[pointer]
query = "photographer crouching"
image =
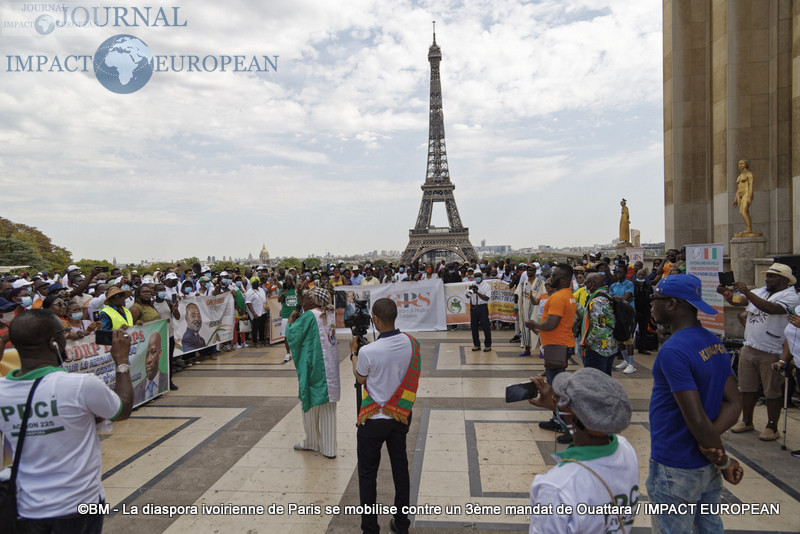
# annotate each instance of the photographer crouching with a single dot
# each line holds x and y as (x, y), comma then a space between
(389, 370)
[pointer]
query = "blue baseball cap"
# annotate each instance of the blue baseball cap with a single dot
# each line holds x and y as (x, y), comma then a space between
(687, 287)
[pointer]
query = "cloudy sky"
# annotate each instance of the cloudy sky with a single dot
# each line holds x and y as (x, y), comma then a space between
(552, 113)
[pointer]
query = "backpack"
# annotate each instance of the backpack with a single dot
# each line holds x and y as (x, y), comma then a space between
(624, 318)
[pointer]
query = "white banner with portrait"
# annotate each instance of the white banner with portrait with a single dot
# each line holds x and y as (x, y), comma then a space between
(205, 321)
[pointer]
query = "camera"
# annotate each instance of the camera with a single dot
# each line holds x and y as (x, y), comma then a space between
(359, 322)
(473, 288)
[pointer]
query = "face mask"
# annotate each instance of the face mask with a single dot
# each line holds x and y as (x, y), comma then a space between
(640, 280)
(483, 265)
(26, 301)
(135, 286)
(187, 290)
(478, 279)
(125, 287)
(226, 282)
(401, 270)
(451, 271)
(238, 284)
(209, 285)
(162, 295)
(77, 316)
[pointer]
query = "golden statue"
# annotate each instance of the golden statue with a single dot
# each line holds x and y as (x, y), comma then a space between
(624, 224)
(744, 198)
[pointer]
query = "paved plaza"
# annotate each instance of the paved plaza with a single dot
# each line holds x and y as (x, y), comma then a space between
(225, 439)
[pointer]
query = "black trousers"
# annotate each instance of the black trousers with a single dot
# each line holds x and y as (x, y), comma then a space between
(642, 321)
(479, 316)
(257, 335)
(370, 439)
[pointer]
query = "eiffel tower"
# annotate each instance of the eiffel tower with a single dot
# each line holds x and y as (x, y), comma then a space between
(424, 238)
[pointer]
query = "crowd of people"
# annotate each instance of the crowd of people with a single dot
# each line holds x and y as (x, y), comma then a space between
(597, 310)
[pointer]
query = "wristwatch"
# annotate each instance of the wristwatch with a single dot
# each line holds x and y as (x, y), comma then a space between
(353, 354)
(726, 465)
(123, 368)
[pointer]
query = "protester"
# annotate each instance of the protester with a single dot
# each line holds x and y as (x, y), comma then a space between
(622, 290)
(389, 371)
(478, 296)
(694, 400)
(115, 315)
(143, 310)
(312, 341)
(597, 322)
(256, 300)
(601, 464)
(763, 345)
(60, 469)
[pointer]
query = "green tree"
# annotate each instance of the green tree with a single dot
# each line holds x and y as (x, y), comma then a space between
(17, 252)
(380, 263)
(288, 263)
(87, 265)
(55, 258)
(312, 263)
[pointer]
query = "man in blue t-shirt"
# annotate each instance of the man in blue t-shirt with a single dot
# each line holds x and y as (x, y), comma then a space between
(695, 399)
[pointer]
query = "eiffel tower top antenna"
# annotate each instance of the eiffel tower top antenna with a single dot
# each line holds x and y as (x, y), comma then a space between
(434, 32)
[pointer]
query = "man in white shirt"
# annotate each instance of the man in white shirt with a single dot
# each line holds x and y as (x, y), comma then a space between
(255, 298)
(478, 295)
(60, 465)
(764, 337)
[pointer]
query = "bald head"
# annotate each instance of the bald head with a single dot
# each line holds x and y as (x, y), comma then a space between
(33, 329)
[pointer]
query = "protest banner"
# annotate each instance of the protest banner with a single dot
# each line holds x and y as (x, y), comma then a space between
(205, 321)
(705, 262)
(634, 255)
(420, 305)
(274, 320)
(149, 360)
(456, 304)
(501, 302)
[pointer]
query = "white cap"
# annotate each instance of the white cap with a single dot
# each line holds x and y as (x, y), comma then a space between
(171, 276)
(73, 268)
(21, 283)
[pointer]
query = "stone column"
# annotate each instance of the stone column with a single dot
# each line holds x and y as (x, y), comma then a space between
(744, 250)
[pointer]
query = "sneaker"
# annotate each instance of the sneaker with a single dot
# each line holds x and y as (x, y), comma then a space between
(769, 435)
(287, 358)
(564, 439)
(740, 427)
(237, 346)
(796, 453)
(630, 369)
(550, 425)
(645, 352)
(245, 345)
(487, 349)
(475, 349)
(526, 352)
(514, 339)
(621, 366)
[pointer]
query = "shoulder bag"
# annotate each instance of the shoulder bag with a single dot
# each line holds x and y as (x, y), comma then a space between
(8, 488)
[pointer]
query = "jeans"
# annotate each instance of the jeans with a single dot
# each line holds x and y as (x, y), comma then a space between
(672, 485)
(370, 439)
(551, 374)
(598, 361)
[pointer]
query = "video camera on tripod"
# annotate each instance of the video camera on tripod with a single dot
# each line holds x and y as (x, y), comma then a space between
(359, 322)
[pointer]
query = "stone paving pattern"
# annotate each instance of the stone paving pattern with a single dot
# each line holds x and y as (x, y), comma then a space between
(226, 438)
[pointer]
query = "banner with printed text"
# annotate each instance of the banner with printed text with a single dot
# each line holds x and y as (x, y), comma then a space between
(420, 305)
(205, 321)
(634, 255)
(274, 320)
(705, 262)
(501, 302)
(149, 360)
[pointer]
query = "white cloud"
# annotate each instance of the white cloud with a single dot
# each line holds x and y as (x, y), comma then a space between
(535, 95)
